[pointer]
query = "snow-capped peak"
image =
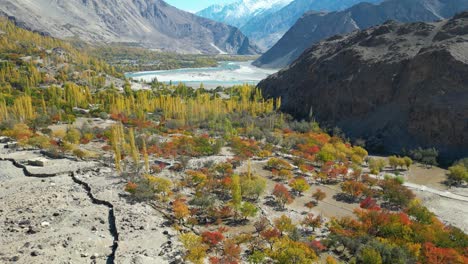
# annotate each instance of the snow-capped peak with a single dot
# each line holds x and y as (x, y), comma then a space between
(240, 11)
(255, 5)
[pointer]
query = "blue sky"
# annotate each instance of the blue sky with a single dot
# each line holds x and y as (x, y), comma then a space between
(195, 5)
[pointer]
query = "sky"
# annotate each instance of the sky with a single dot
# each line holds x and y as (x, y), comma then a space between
(195, 5)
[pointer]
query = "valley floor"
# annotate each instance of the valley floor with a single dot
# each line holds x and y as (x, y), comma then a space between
(52, 219)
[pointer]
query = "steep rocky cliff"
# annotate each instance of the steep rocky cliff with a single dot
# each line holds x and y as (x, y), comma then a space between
(313, 26)
(399, 86)
(150, 23)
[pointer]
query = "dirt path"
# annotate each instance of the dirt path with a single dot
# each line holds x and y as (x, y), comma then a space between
(445, 194)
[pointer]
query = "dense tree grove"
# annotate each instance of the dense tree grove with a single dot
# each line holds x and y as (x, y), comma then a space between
(239, 180)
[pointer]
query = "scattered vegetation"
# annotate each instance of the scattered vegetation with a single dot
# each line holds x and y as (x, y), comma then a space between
(190, 153)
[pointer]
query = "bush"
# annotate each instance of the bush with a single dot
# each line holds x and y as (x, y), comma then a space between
(39, 142)
(83, 154)
(458, 174)
(150, 187)
(73, 136)
(278, 164)
(369, 255)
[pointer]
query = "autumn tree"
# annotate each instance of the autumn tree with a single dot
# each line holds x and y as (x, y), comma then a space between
(376, 165)
(330, 260)
(282, 195)
(236, 192)
(284, 224)
(278, 164)
(73, 136)
(212, 238)
(319, 195)
(196, 249)
(353, 189)
(248, 210)
(287, 251)
(437, 255)
(261, 224)
(369, 204)
(408, 162)
(312, 222)
(231, 252)
(253, 187)
(160, 187)
(299, 185)
(420, 213)
(457, 174)
(396, 194)
(180, 209)
(133, 147)
(145, 157)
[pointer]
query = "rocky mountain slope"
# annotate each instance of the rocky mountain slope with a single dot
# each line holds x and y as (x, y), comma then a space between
(266, 29)
(399, 86)
(240, 12)
(316, 26)
(150, 23)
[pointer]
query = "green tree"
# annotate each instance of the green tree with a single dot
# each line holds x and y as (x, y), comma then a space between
(248, 210)
(426, 156)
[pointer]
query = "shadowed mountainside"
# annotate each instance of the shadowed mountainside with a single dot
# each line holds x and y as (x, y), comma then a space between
(399, 86)
(316, 26)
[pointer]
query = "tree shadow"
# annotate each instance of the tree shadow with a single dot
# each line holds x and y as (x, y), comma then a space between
(345, 198)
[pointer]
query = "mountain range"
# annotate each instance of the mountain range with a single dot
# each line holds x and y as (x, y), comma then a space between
(396, 86)
(240, 12)
(149, 23)
(265, 22)
(314, 26)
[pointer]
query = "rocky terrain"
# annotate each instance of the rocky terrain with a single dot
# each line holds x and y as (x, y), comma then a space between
(395, 81)
(316, 26)
(68, 211)
(149, 23)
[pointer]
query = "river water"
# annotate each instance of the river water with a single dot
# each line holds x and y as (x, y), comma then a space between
(225, 75)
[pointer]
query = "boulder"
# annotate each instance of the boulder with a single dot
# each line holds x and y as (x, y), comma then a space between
(38, 162)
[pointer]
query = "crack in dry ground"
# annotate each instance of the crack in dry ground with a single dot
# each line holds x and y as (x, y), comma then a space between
(111, 217)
